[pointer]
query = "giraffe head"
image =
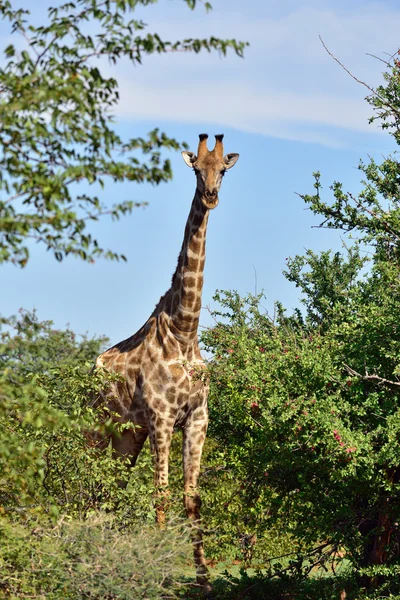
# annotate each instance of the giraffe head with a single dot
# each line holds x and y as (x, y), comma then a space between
(210, 167)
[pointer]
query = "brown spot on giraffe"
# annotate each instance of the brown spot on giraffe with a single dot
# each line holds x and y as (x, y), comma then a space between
(159, 362)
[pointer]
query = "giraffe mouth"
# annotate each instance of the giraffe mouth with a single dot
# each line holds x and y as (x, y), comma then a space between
(210, 202)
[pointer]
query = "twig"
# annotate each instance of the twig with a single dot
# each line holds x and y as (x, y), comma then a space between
(40, 56)
(373, 378)
(256, 422)
(373, 92)
(255, 280)
(243, 594)
(387, 63)
(373, 215)
(347, 70)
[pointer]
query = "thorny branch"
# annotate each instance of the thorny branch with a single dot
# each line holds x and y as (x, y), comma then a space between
(369, 88)
(372, 378)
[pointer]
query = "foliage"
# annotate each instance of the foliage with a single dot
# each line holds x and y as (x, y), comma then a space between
(305, 407)
(90, 559)
(30, 350)
(374, 213)
(57, 129)
(31, 347)
(310, 445)
(54, 481)
(259, 586)
(46, 465)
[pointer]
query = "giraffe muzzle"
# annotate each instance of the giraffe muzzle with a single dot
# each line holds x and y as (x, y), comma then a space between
(210, 198)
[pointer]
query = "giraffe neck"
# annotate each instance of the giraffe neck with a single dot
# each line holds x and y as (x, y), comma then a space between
(183, 300)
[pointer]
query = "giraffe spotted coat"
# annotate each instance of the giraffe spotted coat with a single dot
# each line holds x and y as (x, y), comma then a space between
(162, 386)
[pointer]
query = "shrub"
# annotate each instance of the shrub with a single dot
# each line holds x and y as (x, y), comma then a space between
(90, 559)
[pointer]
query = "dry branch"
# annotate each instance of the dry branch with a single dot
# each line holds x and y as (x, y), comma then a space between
(373, 92)
(372, 378)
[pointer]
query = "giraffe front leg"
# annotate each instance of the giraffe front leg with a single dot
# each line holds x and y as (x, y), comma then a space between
(194, 434)
(129, 443)
(160, 442)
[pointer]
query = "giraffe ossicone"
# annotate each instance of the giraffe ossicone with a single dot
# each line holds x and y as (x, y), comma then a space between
(160, 389)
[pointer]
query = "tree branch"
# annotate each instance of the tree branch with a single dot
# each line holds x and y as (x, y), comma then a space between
(373, 92)
(372, 378)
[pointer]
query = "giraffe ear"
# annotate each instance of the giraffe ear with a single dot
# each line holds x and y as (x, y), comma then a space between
(230, 160)
(189, 158)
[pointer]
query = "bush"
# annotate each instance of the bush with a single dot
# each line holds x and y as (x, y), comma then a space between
(55, 482)
(90, 559)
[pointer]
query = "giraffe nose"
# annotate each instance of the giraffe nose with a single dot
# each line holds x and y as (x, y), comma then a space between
(211, 193)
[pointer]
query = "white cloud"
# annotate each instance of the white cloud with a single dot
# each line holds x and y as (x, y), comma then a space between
(281, 114)
(287, 86)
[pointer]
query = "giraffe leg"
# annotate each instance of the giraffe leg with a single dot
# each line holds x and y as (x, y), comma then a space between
(160, 441)
(129, 444)
(194, 434)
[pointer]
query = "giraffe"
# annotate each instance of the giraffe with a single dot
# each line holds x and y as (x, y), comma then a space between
(161, 388)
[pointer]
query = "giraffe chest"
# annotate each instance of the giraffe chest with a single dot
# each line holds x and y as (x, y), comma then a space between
(175, 389)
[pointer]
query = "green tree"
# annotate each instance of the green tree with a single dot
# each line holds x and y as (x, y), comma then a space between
(30, 347)
(47, 459)
(57, 129)
(39, 365)
(55, 486)
(306, 406)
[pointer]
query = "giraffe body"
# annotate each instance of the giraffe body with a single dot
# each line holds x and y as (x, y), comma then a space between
(161, 364)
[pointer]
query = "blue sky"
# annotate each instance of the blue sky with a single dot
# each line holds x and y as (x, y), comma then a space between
(287, 108)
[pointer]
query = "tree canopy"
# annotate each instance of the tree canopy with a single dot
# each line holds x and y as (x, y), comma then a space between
(57, 128)
(306, 405)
